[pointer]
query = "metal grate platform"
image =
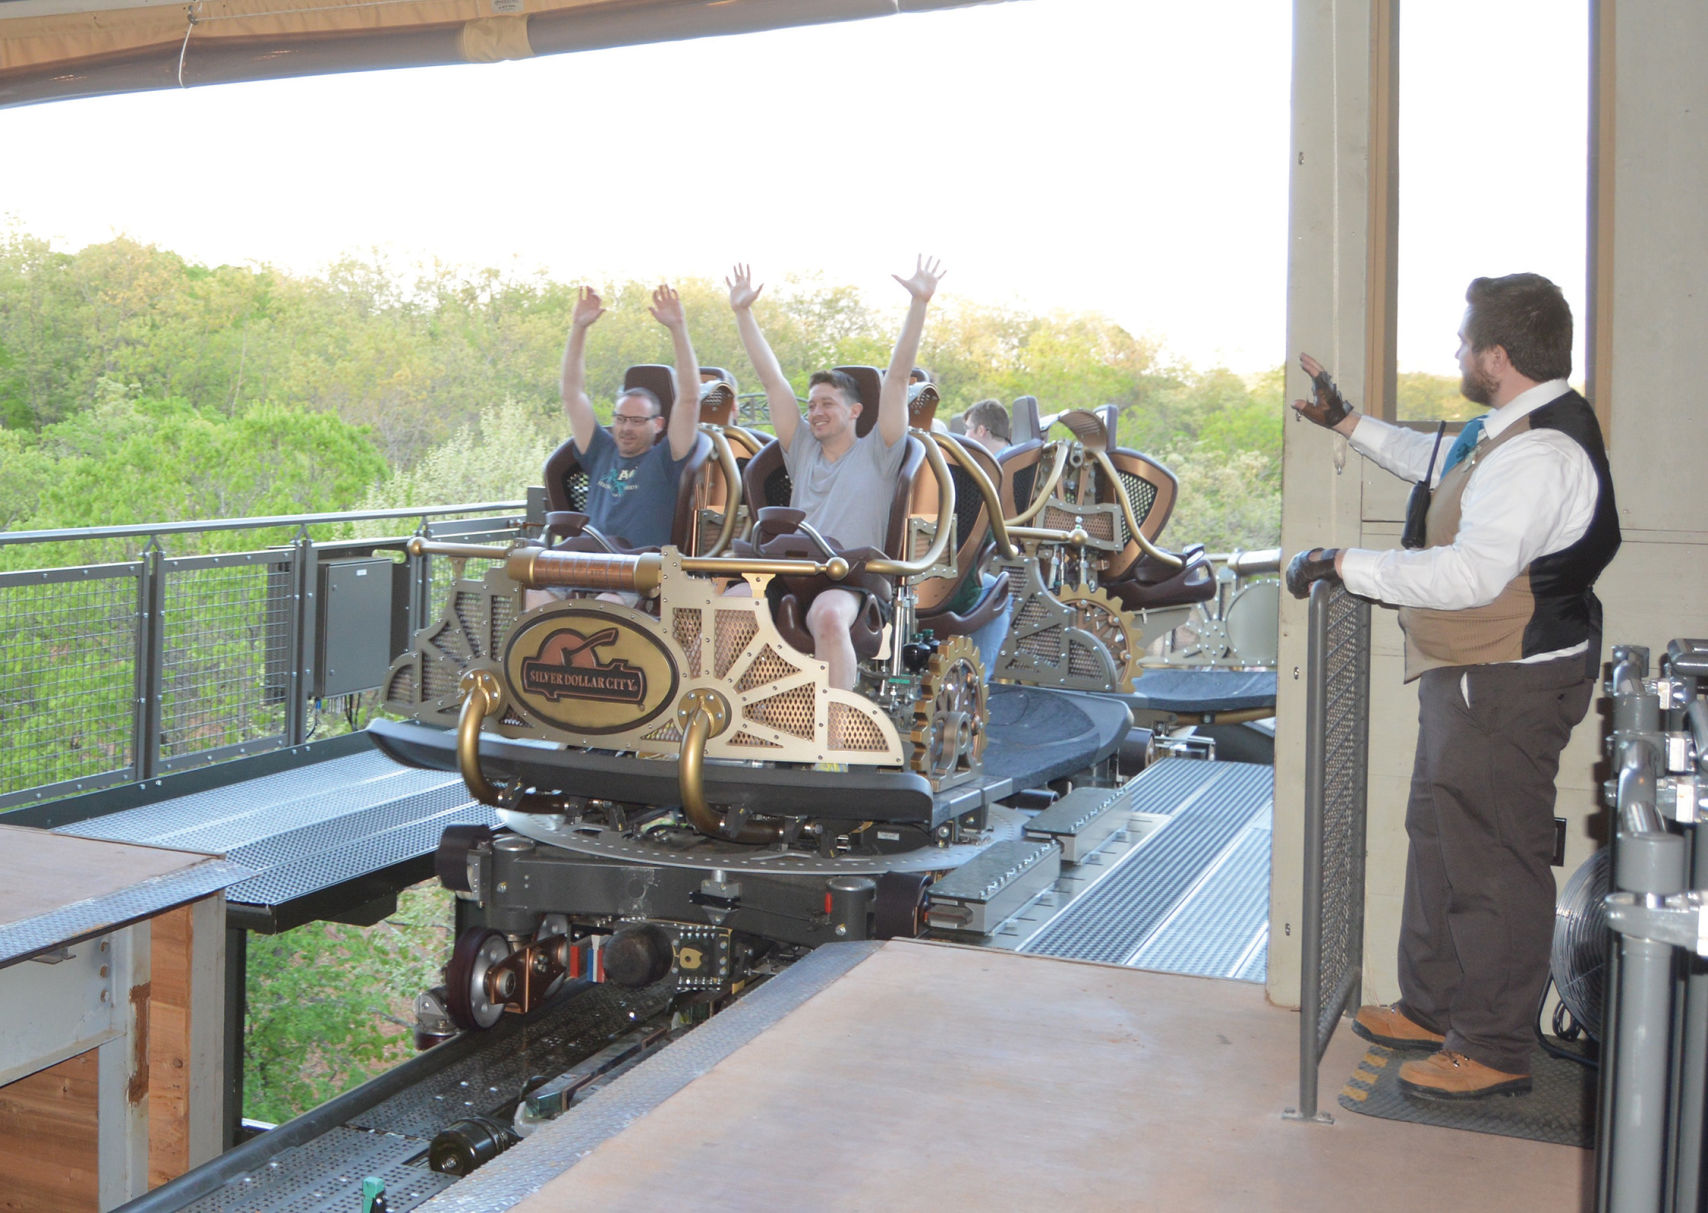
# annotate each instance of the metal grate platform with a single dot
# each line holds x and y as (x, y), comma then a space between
(1192, 891)
(303, 831)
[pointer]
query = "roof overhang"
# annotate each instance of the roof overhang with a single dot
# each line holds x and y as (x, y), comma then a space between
(62, 49)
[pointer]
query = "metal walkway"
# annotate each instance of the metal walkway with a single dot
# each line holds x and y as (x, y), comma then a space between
(1184, 889)
(307, 833)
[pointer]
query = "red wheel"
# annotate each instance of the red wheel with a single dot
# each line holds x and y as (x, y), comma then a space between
(466, 998)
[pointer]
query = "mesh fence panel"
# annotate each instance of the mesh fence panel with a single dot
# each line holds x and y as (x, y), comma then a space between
(1336, 757)
(216, 651)
(67, 678)
(1344, 754)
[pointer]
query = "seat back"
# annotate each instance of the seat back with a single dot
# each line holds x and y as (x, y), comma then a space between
(922, 400)
(1024, 425)
(1150, 488)
(870, 381)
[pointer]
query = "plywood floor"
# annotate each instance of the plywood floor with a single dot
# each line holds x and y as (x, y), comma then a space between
(42, 872)
(945, 1078)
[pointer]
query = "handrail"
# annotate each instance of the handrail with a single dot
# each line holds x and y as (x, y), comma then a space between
(239, 524)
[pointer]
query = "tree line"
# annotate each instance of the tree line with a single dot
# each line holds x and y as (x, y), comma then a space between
(136, 385)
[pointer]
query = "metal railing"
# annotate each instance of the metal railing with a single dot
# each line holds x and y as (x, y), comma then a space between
(1337, 743)
(1654, 1070)
(117, 670)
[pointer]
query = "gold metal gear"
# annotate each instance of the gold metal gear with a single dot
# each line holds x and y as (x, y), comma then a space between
(1096, 612)
(949, 717)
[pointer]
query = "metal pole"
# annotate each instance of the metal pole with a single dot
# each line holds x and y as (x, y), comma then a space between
(1311, 924)
(1650, 865)
(1693, 1063)
(150, 656)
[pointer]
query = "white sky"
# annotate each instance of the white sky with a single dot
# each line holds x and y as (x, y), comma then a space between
(1122, 156)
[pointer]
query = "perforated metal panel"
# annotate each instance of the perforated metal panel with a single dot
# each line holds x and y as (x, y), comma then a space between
(306, 829)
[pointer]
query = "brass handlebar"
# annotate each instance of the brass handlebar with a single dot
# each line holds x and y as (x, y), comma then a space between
(703, 714)
(481, 698)
(992, 500)
(732, 482)
(945, 519)
(1042, 495)
(1145, 545)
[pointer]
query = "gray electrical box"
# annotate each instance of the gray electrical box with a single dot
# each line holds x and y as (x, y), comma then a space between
(353, 625)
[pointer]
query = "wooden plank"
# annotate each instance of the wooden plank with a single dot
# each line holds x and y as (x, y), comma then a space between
(42, 872)
(169, 1047)
(48, 1123)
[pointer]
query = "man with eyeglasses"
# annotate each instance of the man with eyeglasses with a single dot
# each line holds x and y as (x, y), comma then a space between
(842, 481)
(631, 476)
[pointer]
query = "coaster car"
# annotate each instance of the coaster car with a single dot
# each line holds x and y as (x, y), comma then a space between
(1105, 591)
(684, 793)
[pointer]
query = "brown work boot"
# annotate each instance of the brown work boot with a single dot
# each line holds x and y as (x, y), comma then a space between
(1389, 1027)
(1450, 1075)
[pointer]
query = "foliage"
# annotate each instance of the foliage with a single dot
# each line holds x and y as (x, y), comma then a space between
(329, 1006)
(1423, 397)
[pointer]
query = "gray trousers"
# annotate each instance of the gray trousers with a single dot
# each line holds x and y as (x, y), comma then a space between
(1478, 919)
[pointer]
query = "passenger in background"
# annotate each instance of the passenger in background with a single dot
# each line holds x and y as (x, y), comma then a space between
(918, 374)
(631, 476)
(987, 425)
(843, 482)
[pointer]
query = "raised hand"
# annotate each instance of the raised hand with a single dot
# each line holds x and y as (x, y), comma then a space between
(927, 273)
(742, 292)
(1328, 408)
(667, 307)
(588, 308)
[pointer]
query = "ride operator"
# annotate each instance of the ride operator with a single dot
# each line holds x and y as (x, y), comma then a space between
(1503, 635)
(843, 482)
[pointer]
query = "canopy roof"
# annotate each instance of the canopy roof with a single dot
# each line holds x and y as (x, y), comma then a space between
(59, 49)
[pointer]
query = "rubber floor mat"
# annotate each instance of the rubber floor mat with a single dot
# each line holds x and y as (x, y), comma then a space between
(1560, 1107)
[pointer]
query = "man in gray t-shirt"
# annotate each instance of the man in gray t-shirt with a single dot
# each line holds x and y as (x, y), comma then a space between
(842, 481)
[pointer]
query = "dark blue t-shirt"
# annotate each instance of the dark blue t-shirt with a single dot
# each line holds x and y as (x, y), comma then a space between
(633, 498)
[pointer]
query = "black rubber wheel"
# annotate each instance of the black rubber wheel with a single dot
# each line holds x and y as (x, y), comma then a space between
(451, 860)
(898, 910)
(466, 999)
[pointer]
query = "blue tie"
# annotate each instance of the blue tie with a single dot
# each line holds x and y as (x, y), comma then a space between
(1464, 444)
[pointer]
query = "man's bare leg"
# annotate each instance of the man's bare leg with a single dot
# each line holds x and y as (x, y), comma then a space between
(830, 619)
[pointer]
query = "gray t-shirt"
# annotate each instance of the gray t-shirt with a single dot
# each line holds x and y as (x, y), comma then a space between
(850, 497)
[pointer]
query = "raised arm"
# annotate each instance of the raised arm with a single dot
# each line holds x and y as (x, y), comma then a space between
(685, 413)
(892, 400)
(582, 422)
(779, 396)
